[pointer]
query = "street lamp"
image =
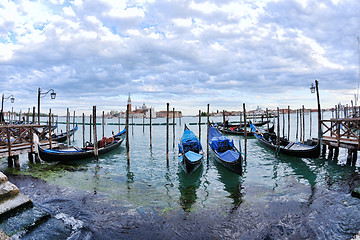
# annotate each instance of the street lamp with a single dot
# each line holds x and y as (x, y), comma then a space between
(313, 88)
(3, 99)
(41, 95)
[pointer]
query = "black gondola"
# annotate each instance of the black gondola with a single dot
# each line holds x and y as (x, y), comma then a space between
(295, 149)
(75, 153)
(237, 130)
(224, 150)
(241, 125)
(63, 136)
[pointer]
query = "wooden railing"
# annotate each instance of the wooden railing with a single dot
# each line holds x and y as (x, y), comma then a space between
(20, 137)
(342, 131)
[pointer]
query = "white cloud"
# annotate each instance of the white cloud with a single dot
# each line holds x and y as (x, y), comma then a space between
(175, 49)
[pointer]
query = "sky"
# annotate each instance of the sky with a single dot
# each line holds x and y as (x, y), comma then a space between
(189, 54)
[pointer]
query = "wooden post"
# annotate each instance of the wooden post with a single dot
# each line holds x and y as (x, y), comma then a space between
(173, 128)
(96, 153)
(132, 125)
(90, 127)
(354, 157)
(283, 127)
(301, 131)
(167, 132)
(67, 128)
(127, 134)
(33, 116)
(297, 124)
(103, 124)
(28, 116)
(303, 110)
(143, 123)
(208, 126)
(245, 132)
(50, 141)
(199, 125)
(310, 113)
(267, 119)
(150, 128)
(73, 126)
(278, 131)
(336, 153)
(10, 161)
(289, 123)
(83, 125)
(223, 121)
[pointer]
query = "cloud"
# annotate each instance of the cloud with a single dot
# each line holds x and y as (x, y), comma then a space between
(189, 53)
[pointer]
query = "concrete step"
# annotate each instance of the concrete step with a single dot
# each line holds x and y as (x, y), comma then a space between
(3, 178)
(7, 190)
(13, 203)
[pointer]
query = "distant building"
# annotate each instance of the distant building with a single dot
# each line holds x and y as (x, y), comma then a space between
(162, 114)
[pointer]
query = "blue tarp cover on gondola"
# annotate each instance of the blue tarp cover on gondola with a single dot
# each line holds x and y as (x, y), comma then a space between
(189, 142)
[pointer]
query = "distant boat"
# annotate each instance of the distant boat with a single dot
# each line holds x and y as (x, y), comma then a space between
(190, 151)
(285, 146)
(238, 130)
(225, 151)
(62, 137)
(76, 153)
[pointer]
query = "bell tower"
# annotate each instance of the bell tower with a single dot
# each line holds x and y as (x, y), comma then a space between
(129, 103)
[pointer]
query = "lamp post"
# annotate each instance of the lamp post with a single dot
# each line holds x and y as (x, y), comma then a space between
(3, 99)
(41, 95)
(313, 90)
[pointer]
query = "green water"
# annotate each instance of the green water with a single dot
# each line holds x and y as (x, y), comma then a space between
(152, 181)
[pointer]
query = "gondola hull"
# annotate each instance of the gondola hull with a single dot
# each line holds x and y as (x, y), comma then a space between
(190, 165)
(190, 152)
(69, 156)
(235, 166)
(293, 149)
(229, 158)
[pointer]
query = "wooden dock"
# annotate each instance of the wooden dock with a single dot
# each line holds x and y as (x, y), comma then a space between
(17, 139)
(341, 133)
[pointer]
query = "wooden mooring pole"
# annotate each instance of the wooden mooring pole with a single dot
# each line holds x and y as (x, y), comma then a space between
(74, 119)
(127, 134)
(103, 124)
(67, 128)
(90, 127)
(245, 132)
(96, 153)
(167, 132)
(150, 128)
(223, 122)
(207, 135)
(50, 129)
(288, 136)
(173, 116)
(83, 128)
(199, 125)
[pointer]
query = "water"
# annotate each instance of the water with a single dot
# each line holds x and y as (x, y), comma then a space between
(276, 198)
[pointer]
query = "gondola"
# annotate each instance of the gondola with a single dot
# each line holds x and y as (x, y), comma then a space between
(190, 151)
(63, 136)
(76, 153)
(241, 125)
(295, 149)
(225, 151)
(237, 130)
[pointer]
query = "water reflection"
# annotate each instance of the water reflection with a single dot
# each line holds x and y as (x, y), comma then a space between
(188, 184)
(232, 184)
